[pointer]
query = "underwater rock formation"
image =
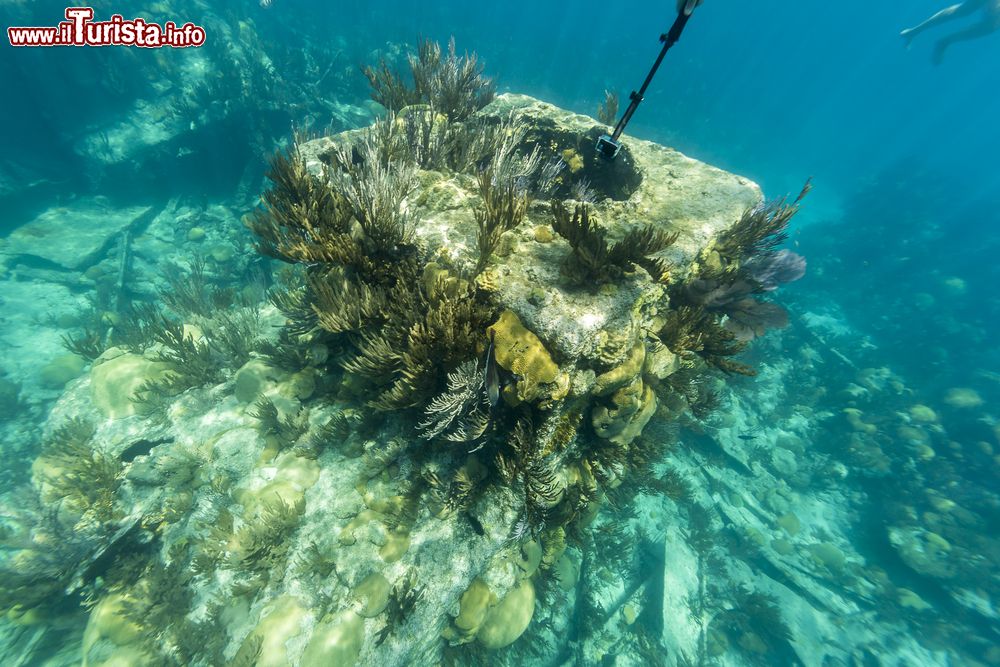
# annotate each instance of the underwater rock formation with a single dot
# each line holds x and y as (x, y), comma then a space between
(410, 464)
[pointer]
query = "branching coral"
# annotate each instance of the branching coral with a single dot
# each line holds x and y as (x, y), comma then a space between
(503, 185)
(417, 135)
(607, 111)
(691, 329)
(335, 431)
(759, 230)
(523, 465)
(235, 334)
(87, 479)
(453, 85)
(749, 318)
(402, 601)
(343, 305)
(287, 352)
(368, 284)
(262, 543)
(741, 264)
(192, 362)
(406, 351)
(592, 261)
(303, 219)
(425, 138)
(90, 343)
(190, 293)
(293, 300)
(456, 494)
(731, 296)
(755, 624)
(101, 327)
(134, 329)
(462, 412)
(38, 578)
(285, 429)
(375, 190)
(772, 270)
(641, 479)
(504, 203)
(160, 601)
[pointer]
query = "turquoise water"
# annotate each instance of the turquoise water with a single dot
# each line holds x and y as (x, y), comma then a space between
(864, 454)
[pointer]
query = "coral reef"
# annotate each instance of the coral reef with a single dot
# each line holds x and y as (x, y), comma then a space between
(427, 372)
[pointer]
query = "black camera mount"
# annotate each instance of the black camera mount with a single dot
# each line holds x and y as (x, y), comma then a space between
(609, 145)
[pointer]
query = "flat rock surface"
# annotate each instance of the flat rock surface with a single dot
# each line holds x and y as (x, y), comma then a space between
(74, 237)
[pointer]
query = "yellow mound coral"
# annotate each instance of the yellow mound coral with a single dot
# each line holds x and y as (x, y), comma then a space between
(963, 397)
(61, 370)
(626, 372)
(293, 476)
(108, 623)
(396, 544)
(532, 558)
(347, 536)
(910, 600)
(857, 423)
(573, 160)
(473, 606)
(521, 352)
(283, 620)
(508, 620)
(253, 379)
(922, 413)
(494, 624)
(632, 408)
(337, 640)
(567, 573)
(372, 594)
(115, 380)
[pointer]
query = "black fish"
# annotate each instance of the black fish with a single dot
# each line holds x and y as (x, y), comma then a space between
(477, 526)
(747, 436)
(491, 377)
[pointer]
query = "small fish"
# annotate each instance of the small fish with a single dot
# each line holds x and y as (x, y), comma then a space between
(477, 526)
(747, 436)
(491, 377)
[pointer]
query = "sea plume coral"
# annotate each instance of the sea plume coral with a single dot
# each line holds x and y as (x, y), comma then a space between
(742, 264)
(593, 261)
(760, 230)
(451, 84)
(375, 189)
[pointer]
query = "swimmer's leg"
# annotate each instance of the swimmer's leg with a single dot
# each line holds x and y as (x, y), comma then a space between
(947, 14)
(977, 31)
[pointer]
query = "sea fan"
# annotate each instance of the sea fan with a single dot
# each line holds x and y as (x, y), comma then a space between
(749, 318)
(775, 269)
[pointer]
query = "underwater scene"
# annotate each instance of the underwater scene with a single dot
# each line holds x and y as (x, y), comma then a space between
(518, 334)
